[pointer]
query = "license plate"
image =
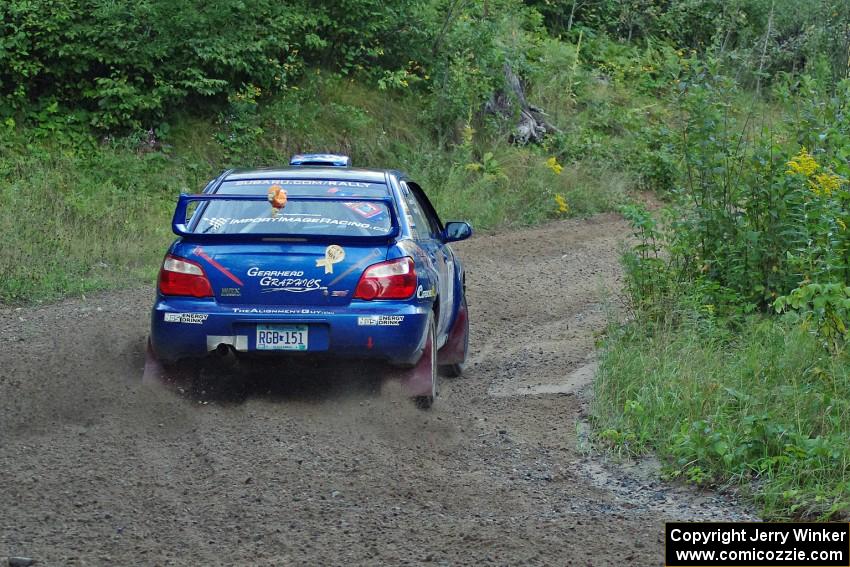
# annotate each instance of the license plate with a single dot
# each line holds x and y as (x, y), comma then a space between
(281, 337)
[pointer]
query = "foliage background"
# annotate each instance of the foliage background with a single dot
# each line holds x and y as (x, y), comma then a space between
(734, 112)
(121, 65)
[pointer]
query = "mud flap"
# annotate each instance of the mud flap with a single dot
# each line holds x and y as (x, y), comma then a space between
(454, 351)
(416, 381)
(419, 380)
(154, 371)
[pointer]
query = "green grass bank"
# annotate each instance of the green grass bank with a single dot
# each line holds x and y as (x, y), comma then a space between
(764, 411)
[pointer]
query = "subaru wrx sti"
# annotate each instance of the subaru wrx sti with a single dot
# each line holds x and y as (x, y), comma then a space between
(318, 258)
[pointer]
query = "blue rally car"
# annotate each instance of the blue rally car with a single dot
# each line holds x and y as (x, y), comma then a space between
(317, 258)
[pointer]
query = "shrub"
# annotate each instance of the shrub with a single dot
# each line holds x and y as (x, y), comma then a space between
(754, 215)
(122, 65)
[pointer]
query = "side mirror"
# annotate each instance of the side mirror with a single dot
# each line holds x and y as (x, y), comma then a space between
(456, 230)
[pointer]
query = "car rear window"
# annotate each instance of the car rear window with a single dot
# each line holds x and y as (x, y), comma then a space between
(344, 215)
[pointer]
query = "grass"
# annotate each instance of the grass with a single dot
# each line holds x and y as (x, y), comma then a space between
(765, 410)
(79, 216)
(78, 221)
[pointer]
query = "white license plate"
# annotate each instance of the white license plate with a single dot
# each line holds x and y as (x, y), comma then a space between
(281, 337)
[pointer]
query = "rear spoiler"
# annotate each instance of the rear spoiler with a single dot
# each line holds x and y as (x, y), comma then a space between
(182, 227)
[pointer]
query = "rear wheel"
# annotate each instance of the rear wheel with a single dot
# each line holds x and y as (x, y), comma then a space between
(452, 370)
(427, 366)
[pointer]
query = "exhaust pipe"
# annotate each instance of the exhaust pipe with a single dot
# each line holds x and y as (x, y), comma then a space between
(223, 356)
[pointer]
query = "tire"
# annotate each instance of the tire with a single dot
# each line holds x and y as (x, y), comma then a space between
(452, 370)
(429, 362)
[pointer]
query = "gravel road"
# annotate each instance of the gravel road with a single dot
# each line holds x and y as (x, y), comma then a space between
(330, 466)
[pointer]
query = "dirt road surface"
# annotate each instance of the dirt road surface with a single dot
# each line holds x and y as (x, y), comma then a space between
(329, 466)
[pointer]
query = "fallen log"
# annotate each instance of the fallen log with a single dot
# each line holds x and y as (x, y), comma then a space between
(510, 101)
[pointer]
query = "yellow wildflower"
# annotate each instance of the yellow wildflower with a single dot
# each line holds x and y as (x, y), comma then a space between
(561, 206)
(824, 184)
(552, 163)
(841, 223)
(803, 163)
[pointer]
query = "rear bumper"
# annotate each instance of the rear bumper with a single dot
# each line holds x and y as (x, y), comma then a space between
(391, 331)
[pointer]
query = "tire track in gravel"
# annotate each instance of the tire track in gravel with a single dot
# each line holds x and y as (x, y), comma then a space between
(305, 465)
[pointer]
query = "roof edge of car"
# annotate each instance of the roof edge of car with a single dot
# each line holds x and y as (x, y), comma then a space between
(310, 172)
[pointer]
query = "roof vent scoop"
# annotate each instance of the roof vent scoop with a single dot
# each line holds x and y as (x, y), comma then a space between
(332, 160)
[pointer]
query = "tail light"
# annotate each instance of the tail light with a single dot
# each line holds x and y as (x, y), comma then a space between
(395, 279)
(179, 276)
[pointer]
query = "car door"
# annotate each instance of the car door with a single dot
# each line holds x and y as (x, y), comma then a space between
(431, 235)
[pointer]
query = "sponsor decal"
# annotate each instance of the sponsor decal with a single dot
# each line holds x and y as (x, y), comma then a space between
(380, 321)
(365, 209)
(368, 259)
(292, 281)
(199, 252)
(231, 292)
(310, 182)
(425, 294)
(339, 293)
(187, 318)
(279, 311)
(258, 273)
(334, 254)
(216, 222)
(219, 223)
